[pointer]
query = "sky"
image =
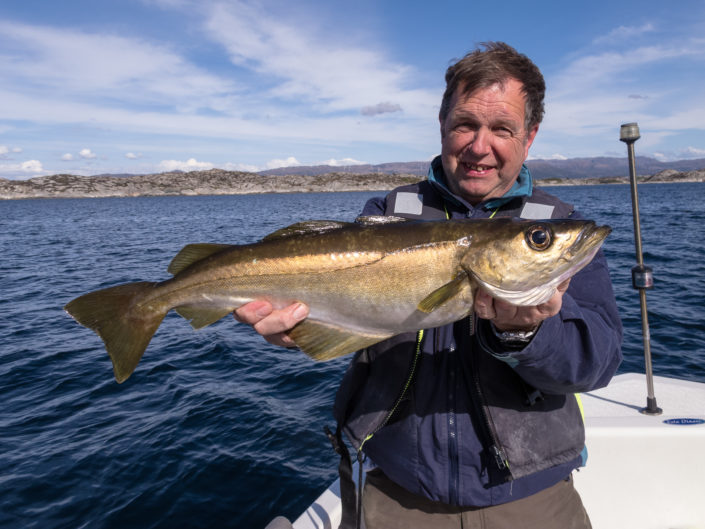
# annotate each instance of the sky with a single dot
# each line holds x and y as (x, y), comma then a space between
(142, 86)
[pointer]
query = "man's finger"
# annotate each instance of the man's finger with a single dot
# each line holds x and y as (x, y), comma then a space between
(283, 320)
(251, 313)
(484, 305)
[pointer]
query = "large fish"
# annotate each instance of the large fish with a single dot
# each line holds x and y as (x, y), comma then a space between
(363, 282)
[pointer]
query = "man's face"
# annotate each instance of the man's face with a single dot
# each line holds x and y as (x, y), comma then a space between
(484, 141)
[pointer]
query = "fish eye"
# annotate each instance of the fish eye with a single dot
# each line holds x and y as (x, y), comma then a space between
(539, 237)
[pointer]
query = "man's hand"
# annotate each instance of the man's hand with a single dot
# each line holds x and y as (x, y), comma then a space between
(270, 323)
(507, 317)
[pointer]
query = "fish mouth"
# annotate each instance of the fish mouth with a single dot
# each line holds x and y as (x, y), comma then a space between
(583, 250)
(591, 236)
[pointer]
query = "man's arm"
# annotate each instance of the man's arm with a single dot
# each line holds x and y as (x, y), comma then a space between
(576, 349)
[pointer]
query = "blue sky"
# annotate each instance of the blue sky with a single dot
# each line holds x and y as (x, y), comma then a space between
(141, 86)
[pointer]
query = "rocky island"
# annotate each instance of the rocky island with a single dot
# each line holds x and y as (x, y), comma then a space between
(221, 182)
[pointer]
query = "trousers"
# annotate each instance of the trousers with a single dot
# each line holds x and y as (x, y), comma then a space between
(386, 505)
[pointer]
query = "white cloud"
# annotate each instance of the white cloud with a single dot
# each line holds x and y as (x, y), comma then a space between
(590, 97)
(189, 165)
(5, 150)
(304, 65)
(241, 167)
(32, 166)
(693, 152)
(343, 162)
(102, 65)
(132, 155)
(603, 70)
(87, 154)
(276, 164)
(20, 171)
(283, 84)
(624, 33)
(67, 157)
(555, 156)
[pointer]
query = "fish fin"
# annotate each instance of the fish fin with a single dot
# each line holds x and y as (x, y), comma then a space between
(442, 294)
(199, 316)
(324, 341)
(306, 228)
(125, 328)
(192, 253)
(374, 220)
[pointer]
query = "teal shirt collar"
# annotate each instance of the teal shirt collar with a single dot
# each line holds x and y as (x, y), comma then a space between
(523, 187)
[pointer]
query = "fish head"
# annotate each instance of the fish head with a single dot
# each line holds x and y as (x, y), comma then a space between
(523, 261)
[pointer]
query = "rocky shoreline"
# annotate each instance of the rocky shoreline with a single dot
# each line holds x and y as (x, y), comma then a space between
(221, 182)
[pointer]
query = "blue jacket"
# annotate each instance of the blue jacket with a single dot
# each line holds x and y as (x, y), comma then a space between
(454, 417)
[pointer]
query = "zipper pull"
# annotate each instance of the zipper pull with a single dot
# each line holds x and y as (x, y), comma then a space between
(500, 458)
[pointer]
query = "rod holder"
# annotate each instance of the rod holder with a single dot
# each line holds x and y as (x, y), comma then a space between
(642, 276)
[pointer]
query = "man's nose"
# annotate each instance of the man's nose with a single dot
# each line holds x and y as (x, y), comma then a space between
(481, 143)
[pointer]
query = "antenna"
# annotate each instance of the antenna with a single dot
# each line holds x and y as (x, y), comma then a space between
(642, 276)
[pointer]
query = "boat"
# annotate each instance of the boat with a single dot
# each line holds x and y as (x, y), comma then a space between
(645, 463)
(643, 471)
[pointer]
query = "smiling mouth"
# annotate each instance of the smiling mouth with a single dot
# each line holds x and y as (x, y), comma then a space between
(477, 168)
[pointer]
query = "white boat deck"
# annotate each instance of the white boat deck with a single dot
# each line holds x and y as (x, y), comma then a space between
(642, 472)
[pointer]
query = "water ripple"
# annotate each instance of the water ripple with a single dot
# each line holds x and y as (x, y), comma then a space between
(216, 427)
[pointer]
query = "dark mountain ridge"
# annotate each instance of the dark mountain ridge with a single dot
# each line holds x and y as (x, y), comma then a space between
(596, 167)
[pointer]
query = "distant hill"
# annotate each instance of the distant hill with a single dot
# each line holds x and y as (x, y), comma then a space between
(571, 168)
(580, 171)
(410, 168)
(603, 167)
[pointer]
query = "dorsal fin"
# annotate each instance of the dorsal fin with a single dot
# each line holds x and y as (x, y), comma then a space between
(192, 253)
(373, 220)
(305, 228)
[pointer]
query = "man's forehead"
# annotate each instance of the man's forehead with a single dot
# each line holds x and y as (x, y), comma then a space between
(505, 108)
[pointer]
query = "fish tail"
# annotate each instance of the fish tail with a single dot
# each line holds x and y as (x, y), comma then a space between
(125, 326)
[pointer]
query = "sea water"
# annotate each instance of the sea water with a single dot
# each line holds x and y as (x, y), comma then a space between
(216, 427)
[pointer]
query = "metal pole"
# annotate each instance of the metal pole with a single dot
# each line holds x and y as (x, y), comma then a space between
(642, 277)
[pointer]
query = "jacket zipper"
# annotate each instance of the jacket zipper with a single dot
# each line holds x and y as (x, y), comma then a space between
(453, 475)
(407, 385)
(495, 447)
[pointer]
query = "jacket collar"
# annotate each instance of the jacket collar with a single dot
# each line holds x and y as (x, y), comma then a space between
(523, 187)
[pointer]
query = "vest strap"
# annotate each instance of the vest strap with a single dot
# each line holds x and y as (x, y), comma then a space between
(350, 517)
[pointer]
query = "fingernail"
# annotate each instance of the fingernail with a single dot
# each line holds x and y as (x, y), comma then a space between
(300, 312)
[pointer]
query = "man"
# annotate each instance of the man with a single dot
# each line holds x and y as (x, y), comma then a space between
(475, 424)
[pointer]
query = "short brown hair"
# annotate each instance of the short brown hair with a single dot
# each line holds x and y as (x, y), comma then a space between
(496, 62)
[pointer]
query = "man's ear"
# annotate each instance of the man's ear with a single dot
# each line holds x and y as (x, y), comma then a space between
(530, 139)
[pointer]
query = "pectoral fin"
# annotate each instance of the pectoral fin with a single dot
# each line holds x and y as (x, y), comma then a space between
(324, 341)
(439, 296)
